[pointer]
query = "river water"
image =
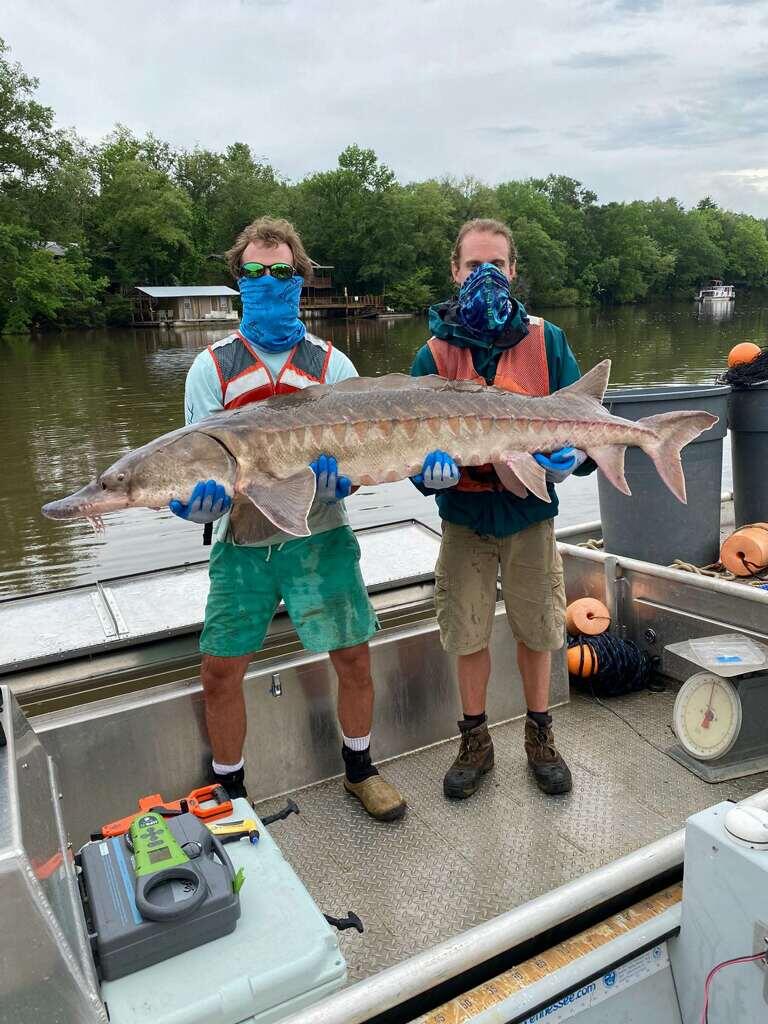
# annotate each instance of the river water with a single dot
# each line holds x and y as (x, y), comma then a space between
(71, 403)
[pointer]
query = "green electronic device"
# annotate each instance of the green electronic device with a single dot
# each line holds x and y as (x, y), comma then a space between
(162, 888)
(158, 860)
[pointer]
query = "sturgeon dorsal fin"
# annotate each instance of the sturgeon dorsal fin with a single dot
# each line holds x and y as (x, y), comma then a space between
(593, 384)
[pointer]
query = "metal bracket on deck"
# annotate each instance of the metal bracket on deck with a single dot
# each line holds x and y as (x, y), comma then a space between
(109, 613)
(616, 589)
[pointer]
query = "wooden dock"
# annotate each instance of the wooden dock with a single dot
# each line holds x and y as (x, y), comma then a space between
(344, 305)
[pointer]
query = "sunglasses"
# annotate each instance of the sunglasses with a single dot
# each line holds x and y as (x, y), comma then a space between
(280, 271)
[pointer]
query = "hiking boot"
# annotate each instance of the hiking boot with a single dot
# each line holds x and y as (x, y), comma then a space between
(475, 760)
(379, 798)
(233, 783)
(552, 774)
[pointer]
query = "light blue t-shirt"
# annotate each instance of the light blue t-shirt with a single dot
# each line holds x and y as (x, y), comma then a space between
(202, 397)
(202, 392)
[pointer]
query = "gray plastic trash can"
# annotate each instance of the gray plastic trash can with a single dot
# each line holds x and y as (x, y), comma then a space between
(748, 423)
(652, 524)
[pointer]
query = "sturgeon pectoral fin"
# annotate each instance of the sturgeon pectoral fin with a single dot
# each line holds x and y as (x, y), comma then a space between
(286, 503)
(510, 479)
(528, 472)
(610, 459)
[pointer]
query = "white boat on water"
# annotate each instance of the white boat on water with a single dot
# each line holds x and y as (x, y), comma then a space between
(508, 908)
(716, 291)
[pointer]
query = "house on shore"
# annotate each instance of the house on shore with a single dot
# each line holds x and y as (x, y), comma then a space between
(183, 304)
(319, 297)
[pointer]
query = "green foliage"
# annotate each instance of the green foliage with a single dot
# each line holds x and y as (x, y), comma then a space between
(27, 138)
(133, 210)
(141, 226)
(411, 295)
(41, 290)
(351, 218)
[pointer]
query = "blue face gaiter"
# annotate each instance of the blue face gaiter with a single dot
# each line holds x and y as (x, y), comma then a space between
(271, 312)
(484, 300)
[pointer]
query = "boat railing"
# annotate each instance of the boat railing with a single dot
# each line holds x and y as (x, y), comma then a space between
(439, 964)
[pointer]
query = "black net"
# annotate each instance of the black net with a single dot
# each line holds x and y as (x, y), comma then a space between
(748, 375)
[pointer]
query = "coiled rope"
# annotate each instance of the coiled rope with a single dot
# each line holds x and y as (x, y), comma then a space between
(621, 666)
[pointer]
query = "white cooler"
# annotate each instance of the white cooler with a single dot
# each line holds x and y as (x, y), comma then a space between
(282, 956)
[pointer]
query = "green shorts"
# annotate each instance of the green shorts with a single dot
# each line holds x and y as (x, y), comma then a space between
(317, 577)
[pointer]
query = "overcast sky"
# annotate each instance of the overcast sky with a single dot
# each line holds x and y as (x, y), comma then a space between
(635, 98)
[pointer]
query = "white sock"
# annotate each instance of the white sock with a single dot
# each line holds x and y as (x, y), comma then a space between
(357, 742)
(227, 769)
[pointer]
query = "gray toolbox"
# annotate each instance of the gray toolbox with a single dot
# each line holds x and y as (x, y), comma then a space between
(282, 956)
(157, 891)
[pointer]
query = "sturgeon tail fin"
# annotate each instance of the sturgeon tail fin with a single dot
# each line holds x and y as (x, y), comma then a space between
(674, 431)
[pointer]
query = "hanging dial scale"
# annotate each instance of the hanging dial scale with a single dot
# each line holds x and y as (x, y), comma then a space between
(707, 716)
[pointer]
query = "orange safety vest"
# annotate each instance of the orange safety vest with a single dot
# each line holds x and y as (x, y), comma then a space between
(244, 378)
(522, 369)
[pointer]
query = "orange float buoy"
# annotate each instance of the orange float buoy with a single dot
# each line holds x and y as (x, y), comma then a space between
(582, 660)
(588, 616)
(745, 552)
(744, 352)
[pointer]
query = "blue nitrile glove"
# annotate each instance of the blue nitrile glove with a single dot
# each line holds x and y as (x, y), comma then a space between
(207, 502)
(330, 486)
(560, 463)
(439, 471)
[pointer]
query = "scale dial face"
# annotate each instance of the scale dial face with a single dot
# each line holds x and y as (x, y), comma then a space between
(707, 716)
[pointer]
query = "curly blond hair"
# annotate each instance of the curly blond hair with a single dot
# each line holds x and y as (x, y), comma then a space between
(272, 231)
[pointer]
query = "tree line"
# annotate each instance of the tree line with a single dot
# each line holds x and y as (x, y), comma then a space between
(130, 211)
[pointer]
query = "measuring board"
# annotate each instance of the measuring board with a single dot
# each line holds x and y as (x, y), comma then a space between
(489, 995)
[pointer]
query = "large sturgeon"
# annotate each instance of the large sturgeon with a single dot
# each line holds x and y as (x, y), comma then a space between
(379, 429)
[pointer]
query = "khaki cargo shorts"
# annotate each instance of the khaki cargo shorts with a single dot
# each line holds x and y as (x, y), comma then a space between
(531, 581)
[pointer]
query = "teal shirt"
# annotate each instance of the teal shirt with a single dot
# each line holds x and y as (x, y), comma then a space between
(498, 513)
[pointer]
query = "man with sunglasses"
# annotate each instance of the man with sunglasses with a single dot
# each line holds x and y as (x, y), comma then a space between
(318, 577)
(486, 336)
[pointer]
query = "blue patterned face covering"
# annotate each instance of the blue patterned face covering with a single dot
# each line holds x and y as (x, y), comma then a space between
(271, 312)
(484, 301)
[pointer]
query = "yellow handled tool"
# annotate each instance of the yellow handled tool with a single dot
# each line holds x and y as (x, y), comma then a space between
(232, 831)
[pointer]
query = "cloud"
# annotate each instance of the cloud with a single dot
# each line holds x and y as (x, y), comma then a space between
(638, 6)
(596, 59)
(635, 98)
(755, 178)
(509, 129)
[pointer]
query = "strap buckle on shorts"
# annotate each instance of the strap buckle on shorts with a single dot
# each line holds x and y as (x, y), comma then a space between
(269, 550)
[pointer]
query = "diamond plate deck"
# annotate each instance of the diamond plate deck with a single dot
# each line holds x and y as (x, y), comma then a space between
(450, 865)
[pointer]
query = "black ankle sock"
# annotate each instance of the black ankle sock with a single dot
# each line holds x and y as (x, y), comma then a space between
(358, 764)
(472, 721)
(233, 782)
(542, 719)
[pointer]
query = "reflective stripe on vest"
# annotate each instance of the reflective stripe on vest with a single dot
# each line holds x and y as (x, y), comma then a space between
(522, 369)
(245, 378)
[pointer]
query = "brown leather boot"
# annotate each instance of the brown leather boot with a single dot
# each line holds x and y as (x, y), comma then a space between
(475, 759)
(552, 774)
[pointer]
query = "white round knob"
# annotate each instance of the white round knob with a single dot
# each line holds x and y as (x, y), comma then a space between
(748, 825)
